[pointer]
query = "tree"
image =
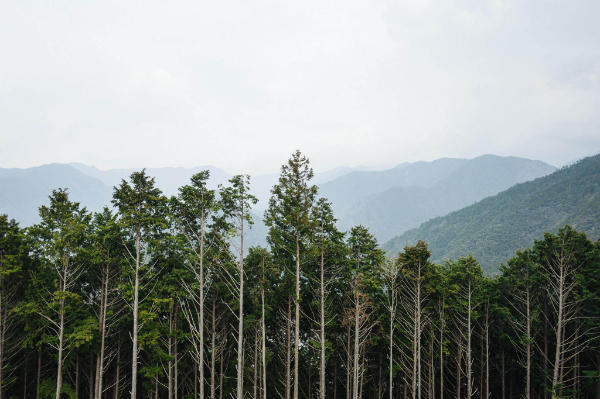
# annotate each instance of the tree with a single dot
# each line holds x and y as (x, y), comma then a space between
(13, 256)
(415, 268)
(142, 214)
(289, 222)
(193, 208)
(236, 202)
(366, 262)
(61, 235)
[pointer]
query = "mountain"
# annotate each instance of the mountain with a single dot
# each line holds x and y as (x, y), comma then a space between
(494, 228)
(393, 201)
(25, 190)
(169, 179)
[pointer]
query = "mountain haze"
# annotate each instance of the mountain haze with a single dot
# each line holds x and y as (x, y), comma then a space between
(494, 228)
(393, 201)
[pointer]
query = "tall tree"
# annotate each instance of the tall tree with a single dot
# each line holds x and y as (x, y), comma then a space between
(193, 209)
(61, 234)
(289, 222)
(236, 203)
(141, 208)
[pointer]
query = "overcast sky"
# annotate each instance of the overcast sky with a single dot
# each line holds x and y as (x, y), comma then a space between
(241, 84)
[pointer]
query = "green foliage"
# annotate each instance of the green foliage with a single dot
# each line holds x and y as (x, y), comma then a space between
(494, 228)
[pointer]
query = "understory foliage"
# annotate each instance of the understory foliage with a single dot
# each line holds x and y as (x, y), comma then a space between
(159, 298)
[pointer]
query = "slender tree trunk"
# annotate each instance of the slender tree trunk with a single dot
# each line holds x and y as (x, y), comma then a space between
(528, 346)
(322, 388)
(288, 360)
(136, 287)
(201, 304)
(391, 359)
(487, 352)
(264, 333)
(469, 355)
(255, 360)
(297, 320)
(441, 350)
(2, 335)
(61, 330)
(118, 370)
(240, 366)
(77, 375)
(559, 332)
(355, 385)
(348, 364)
(213, 355)
(102, 328)
(458, 370)
(170, 352)
(221, 376)
(176, 357)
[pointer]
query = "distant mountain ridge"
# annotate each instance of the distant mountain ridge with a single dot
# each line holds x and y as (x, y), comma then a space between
(388, 201)
(493, 228)
(393, 201)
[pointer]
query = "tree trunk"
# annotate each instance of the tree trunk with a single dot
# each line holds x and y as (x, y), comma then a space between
(134, 350)
(118, 370)
(559, 332)
(458, 370)
(61, 330)
(170, 353)
(240, 367)
(201, 304)
(356, 339)
(322, 388)
(297, 320)
(102, 328)
(288, 362)
(264, 333)
(348, 364)
(213, 355)
(468, 359)
(176, 358)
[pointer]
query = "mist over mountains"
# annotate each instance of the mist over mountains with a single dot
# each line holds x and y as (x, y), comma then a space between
(388, 202)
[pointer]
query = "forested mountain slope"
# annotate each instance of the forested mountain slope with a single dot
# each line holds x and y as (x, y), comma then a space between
(424, 190)
(492, 229)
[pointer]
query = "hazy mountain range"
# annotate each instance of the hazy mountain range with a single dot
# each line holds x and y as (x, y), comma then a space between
(389, 202)
(494, 228)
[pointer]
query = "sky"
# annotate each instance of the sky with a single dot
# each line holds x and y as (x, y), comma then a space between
(242, 84)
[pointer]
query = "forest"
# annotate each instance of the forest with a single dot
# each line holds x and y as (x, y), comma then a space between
(158, 297)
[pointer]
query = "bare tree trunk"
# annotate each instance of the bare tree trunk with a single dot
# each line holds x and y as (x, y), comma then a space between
(221, 376)
(255, 360)
(240, 366)
(468, 359)
(288, 361)
(61, 330)
(102, 328)
(175, 362)
(118, 370)
(264, 333)
(356, 339)
(77, 375)
(213, 355)
(458, 370)
(441, 350)
(322, 387)
(559, 332)
(134, 351)
(391, 359)
(487, 352)
(348, 364)
(297, 320)
(170, 352)
(201, 305)
(528, 346)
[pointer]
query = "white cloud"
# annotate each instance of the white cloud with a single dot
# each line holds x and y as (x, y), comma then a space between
(242, 84)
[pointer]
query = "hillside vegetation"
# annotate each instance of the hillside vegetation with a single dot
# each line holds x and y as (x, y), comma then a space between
(492, 229)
